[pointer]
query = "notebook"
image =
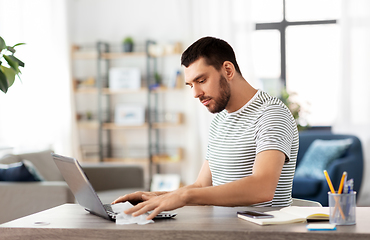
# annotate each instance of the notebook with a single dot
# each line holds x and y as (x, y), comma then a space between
(83, 191)
(293, 214)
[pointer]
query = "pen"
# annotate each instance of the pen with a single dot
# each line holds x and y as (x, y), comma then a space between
(345, 187)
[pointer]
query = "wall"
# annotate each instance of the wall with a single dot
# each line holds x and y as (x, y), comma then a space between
(354, 97)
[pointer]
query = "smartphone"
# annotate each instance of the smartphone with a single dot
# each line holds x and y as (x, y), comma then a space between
(255, 214)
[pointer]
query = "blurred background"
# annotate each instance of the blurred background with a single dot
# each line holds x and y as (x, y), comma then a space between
(317, 51)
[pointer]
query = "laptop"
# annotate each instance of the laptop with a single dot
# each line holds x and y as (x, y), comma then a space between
(83, 191)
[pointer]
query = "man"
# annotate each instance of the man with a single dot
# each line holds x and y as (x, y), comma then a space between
(253, 140)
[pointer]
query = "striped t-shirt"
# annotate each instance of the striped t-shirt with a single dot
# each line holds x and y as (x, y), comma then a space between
(264, 123)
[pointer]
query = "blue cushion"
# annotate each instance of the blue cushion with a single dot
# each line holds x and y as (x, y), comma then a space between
(319, 155)
(19, 172)
(303, 187)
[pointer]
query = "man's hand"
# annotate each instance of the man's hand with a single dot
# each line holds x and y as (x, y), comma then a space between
(137, 197)
(157, 204)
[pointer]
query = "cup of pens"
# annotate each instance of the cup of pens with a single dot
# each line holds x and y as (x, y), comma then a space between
(342, 204)
(342, 208)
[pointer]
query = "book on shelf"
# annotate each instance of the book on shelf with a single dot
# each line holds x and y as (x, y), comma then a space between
(293, 214)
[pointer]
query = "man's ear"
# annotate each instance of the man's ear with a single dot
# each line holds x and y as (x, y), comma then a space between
(229, 70)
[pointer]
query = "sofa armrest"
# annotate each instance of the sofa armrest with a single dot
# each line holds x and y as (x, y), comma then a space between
(352, 166)
(105, 176)
(19, 199)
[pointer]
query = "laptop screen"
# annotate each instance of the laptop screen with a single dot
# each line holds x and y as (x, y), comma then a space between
(79, 185)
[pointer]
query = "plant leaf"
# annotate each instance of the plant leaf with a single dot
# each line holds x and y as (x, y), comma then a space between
(18, 44)
(2, 44)
(10, 49)
(20, 63)
(12, 62)
(10, 75)
(3, 82)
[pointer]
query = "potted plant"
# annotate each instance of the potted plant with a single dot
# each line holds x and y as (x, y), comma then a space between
(8, 73)
(295, 109)
(128, 44)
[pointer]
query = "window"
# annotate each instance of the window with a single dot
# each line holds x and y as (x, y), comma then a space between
(297, 42)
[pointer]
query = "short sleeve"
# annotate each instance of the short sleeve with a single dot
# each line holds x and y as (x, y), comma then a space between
(274, 130)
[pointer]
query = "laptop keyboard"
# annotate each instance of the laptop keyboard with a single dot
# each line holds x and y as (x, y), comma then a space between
(109, 210)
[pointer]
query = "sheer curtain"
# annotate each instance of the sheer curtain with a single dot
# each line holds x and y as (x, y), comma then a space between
(36, 114)
(354, 116)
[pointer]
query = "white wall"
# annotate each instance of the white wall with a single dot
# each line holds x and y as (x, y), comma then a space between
(112, 20)
(354, 114)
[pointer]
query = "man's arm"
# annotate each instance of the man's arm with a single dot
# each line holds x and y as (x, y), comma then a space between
(259, 187)
(204, 180)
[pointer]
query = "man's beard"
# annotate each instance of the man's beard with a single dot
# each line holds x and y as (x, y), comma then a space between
(221, 102)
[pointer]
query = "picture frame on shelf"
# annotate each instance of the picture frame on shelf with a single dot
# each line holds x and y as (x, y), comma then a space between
(129, 115)
(124, 78)
(165, 182)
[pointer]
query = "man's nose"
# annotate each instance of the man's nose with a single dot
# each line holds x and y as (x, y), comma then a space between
(197, 91)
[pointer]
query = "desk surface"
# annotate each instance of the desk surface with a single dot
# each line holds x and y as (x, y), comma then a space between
(70, 221)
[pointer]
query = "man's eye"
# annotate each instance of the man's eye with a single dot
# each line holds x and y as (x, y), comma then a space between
(202, 81)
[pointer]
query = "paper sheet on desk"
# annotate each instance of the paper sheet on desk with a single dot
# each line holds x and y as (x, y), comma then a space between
(123, 218)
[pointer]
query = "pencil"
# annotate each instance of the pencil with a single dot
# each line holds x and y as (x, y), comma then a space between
(337, 205)
(329, 182)
(340, 190)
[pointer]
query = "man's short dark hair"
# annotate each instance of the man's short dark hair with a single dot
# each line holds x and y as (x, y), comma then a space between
(215, 52)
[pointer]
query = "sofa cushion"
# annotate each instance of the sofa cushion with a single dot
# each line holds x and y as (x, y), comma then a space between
(42, 161)
(10, 158)
(19, 172)
(303, 187)
(319, 155)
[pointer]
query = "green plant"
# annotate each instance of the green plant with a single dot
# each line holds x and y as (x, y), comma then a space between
(128, 40)
(7, 74)
(157, 78)
(294, 107)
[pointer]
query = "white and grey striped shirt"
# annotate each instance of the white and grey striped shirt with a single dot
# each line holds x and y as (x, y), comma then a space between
(264, 123)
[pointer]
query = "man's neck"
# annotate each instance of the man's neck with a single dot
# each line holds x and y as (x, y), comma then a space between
(241, 93)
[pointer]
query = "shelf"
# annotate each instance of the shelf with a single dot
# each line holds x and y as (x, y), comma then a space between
(126, 160)
(113, 126)
(86, 90)
(159, 159)
(88, 124)
(113, 55)
(117, 55)
(165, 125)
(108, 91)
(165, 89)
(84, 55)
(123, 91)
(166, 158)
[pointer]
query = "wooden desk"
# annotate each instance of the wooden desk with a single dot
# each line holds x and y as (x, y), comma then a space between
(70, 221)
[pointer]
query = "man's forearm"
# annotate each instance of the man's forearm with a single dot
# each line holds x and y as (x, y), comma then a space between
(231, 194)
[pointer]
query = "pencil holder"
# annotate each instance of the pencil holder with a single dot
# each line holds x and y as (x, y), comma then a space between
(342, 208)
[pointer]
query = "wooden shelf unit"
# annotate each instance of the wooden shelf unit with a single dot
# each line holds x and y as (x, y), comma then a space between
(106, 129)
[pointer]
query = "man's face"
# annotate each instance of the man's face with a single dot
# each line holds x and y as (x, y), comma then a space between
(208, 84)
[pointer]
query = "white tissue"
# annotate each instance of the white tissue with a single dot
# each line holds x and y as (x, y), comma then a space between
(123, 218)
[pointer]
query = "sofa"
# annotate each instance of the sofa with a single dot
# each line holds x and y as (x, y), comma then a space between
(351, 161)
(21, 198)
